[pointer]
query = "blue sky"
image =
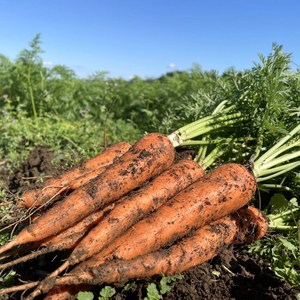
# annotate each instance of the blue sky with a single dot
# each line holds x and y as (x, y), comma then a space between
(150, 37)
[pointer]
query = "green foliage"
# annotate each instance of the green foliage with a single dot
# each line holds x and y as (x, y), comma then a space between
(282, 251)
(106, 293)
(7, 278)
(152, 292)
(283, 214)
(85, 138)
(4, 236)
(283, 254)
(267, 96)
(166, 283)
(155, 291)
(85, 296)
(24, 79)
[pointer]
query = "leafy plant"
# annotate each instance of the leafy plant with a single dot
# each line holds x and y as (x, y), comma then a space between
(155, 291)
(282, 251)
(7, 278)
(106, 293)
(4, 236)
(166, 283)
(283, 255)
(85, 296)
(86, 138)
(152, 292)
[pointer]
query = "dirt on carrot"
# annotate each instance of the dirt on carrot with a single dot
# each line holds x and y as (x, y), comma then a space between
(129, 210)
(245, 226)
(216, 194)
(222, 278)
(67, 239)
(147, 158)
(74, 178)
(136, 206)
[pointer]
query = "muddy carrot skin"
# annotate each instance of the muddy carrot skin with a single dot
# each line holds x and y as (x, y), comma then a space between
(147, 158)
(215, 195)
(244, 226)
(65, 240)
(74, 178)
(129, 210)
(119, 216)
(135, 206)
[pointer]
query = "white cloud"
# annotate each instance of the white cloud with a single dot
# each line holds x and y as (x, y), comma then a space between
(171, 65)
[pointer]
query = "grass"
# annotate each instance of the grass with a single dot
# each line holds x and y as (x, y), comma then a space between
(70, 140)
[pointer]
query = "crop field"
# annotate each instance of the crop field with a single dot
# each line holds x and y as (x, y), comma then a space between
(54, 125)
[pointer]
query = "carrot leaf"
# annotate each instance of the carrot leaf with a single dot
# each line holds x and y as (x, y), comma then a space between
(152, 292)
(85, 296)
(106, 293)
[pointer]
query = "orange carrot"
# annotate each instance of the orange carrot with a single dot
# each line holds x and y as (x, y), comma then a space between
(136, 206)
(65, 240)
(127, 211)
(74, 178)
(148, 157)
(215, 195)
(243, 226)
(130, 209)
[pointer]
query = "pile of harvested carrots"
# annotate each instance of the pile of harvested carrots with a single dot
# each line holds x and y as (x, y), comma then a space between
(133, 212)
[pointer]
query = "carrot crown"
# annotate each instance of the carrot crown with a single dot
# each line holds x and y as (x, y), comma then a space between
(222, 118)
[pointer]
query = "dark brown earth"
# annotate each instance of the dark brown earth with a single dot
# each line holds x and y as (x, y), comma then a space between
(233, 274)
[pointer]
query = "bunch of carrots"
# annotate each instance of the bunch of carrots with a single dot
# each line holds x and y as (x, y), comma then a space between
(134, 211)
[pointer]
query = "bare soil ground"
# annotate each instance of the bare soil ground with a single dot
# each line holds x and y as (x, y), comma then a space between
(233, 274)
